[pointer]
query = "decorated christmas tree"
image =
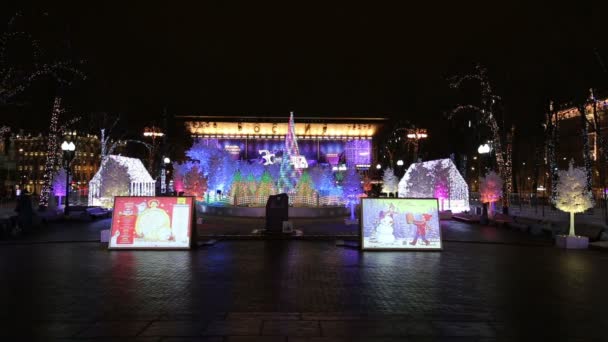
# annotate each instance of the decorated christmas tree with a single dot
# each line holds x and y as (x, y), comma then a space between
(304, 187)
(51, 153)
(352, 189)
(490, 190)
(251, 185)
(266, 186)
(116, 179)
(195, 184)
(572, 194)
(367, 183)
(289, 175)
(390, 182)
(322, 179)
(59, 184)
(238, 187)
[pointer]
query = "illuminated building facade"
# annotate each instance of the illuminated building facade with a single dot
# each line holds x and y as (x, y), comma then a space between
(330, 141)
(28, 153)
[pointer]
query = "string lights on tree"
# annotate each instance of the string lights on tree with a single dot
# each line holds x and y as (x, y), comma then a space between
(16, 78)
(488, 118)
(51, 153)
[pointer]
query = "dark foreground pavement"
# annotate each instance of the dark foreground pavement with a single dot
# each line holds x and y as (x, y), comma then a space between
(302, 291)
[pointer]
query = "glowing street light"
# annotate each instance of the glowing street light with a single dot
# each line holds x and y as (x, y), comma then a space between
(68, 149)
(399, 162)
(378, 166)
(483, 149)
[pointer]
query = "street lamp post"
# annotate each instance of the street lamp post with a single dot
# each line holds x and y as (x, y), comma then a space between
(483, 150)
(163, 175)
(415, 135)
(68, 149)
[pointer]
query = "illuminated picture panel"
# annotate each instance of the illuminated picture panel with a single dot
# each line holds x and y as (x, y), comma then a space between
(152, 223)
(400, 224)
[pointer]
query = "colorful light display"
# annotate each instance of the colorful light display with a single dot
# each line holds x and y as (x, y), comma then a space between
(126, 176)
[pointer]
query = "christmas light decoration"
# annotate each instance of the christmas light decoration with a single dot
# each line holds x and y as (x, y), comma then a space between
(289, 175)
(586, 150)
(572, 193)
(352, 190)
(436, 178)
(266, 187)
(51, 153)
(390, 183)
(117, 176)
(490, 188)
(16, 77)
(194, 184)
(488, 119)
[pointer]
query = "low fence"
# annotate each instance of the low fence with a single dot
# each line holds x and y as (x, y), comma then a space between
(313, 200)
(537, 207)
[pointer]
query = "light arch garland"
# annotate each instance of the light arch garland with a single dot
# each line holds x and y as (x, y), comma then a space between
(436, 178)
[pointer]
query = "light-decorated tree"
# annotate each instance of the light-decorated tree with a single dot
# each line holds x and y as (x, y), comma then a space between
(266, 186)
(239, 187)
(59, 182)
(351, 186)
(23, 61)
(304, 187)
(116, 180)
(390, 182)
(367, 183)
(441, 175)
(322, 179)
(486, 116)
(490, 188)
(194, 183)
(252, 185)
(572, 193)
(216, 164)
(418, 182)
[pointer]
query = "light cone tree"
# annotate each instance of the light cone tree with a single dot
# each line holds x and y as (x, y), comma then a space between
(572, 193)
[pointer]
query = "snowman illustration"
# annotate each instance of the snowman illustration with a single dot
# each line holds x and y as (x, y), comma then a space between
(386, 226)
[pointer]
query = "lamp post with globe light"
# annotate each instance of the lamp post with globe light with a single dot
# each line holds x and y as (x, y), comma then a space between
(163, 175)
(68, 149)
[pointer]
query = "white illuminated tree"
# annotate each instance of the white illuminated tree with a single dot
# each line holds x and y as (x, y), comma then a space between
(59, 182)
(352, 189)
(390, 182)
(572, 194)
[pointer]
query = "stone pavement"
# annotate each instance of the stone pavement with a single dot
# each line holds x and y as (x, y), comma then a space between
(302, 291)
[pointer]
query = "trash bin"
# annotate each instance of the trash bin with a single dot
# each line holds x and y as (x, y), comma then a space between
(277, 211)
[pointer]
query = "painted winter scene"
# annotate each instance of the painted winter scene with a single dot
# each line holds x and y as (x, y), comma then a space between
(400, 223)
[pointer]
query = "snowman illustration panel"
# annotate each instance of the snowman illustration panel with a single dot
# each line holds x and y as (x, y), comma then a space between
(398, 223)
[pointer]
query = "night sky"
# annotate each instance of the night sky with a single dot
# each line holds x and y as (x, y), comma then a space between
(325, 60)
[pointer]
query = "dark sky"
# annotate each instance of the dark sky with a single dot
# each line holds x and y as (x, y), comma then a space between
(328, 59)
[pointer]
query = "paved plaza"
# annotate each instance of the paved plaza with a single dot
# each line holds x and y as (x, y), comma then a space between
(488, 284)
